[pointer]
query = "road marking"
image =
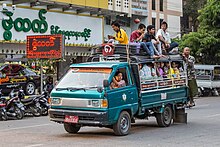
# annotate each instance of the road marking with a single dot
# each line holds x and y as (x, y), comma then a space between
(213, 115)
(34, 145)
(206, 105)
(26, 127)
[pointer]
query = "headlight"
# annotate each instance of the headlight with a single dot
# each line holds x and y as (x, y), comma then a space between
(98, 103)
(93, 103)
(55, 101)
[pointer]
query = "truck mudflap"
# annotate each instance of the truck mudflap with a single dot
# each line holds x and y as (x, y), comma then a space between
(86, 118)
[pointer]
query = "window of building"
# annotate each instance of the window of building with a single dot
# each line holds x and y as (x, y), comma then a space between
(161, 5)
(108, 20)
(126, 3)
(124, 21)
(118, 3)
(154, 22)
(110, 2)
(153, 5)
(161, 20)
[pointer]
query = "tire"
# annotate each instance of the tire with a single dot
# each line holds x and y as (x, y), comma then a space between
(71, 128)
(4, 116)
(123, 125)
(199, 92)
(164, 119)
(44, 111)
(30, 88)
(19, 113)
(206, 93)
(36, 111)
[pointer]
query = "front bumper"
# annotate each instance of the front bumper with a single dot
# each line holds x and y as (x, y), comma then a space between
(86, 118)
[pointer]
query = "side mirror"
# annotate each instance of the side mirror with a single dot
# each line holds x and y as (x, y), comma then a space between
(105, 83)
(100, 89)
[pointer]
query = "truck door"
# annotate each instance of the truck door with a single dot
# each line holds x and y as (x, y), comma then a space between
(124, 97)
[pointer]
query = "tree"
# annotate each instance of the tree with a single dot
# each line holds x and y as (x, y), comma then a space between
(206, 42)
(190, 14)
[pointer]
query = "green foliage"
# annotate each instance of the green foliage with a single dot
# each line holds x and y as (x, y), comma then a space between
(206, 41)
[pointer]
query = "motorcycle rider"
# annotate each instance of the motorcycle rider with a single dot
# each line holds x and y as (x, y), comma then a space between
(49, 84)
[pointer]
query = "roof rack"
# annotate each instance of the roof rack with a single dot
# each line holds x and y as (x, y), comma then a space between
(126, 53)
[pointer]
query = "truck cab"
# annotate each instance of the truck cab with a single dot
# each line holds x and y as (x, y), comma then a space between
(88, 95)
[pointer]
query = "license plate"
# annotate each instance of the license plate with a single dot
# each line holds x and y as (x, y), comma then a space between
(71, 119)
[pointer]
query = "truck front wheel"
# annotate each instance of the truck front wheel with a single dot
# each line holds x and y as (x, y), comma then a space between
(164, 119)
(123, 125)
(71, 128)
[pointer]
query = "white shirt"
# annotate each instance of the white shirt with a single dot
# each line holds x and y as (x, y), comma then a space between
(165, 35)
(147, 71)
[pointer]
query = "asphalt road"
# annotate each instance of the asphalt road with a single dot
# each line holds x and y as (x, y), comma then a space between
(202, 130)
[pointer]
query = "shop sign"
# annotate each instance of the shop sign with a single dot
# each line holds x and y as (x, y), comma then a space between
(45, 46)
(139, 7)
(76, 29)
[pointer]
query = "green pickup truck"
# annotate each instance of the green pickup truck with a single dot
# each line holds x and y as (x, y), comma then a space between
(88, 95)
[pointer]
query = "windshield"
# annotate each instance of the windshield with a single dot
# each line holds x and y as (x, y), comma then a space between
(217, 73)
(84, 77)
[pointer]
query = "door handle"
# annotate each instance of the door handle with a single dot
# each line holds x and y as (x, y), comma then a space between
(130, 92)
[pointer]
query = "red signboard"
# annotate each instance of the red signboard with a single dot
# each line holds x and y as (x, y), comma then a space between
(45, 46)
(107, 49)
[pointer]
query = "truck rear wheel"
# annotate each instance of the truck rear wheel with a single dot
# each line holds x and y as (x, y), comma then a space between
(123, 125)
(164, 119)
(71, 128)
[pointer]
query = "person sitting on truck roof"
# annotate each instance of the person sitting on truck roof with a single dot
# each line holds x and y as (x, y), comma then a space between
(165, 41)
(149, 37)
(148, 46)
(117, 81)
(137, 36)
(121, 36)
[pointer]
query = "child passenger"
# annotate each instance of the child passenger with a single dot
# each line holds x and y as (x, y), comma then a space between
(169, 70)
(176, 70)
(117, 81)
(161, 72)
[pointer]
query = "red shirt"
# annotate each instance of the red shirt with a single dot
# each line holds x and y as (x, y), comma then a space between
(134, 36)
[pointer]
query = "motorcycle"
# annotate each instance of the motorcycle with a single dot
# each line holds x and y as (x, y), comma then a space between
(43, 100)
(12, 107)
(32, 105)
(3, 113)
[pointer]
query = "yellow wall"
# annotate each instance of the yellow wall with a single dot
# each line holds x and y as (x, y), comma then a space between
(90, 3)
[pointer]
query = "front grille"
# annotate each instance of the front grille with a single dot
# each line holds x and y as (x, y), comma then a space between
(86, 118)
(80, 117)
(58, 116)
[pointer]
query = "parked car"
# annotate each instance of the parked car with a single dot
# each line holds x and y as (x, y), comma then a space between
(14, 76)
(208, 79)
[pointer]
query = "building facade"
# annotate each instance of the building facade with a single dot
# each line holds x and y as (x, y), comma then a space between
(148, 12)
(167, 10)
(86, 15)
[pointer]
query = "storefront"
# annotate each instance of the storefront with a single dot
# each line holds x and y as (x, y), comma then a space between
(81, 32)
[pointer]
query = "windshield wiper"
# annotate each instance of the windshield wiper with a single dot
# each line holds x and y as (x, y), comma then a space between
(70, 89)
(75, 89)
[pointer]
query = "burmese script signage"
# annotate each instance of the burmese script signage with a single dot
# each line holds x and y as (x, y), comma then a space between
(45, 46)
(76, 29)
